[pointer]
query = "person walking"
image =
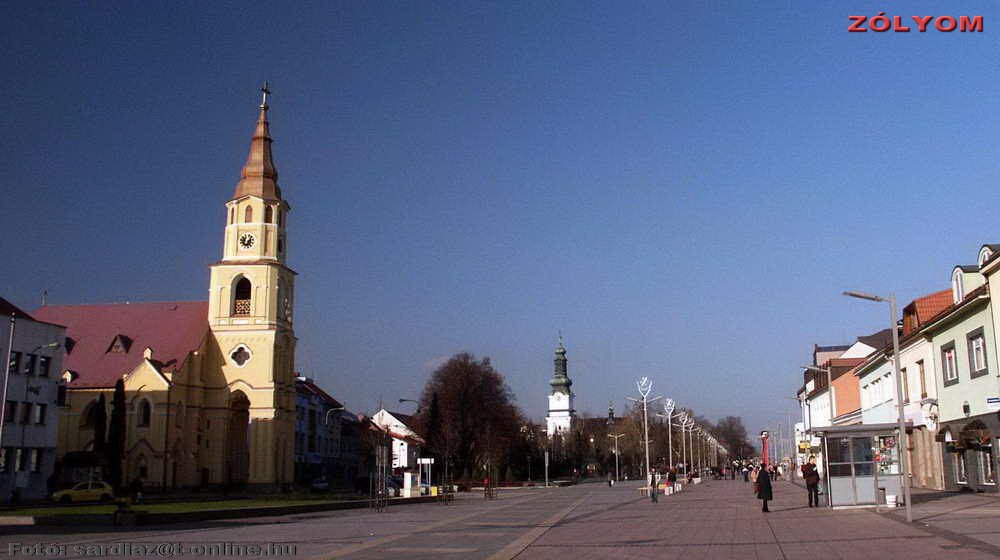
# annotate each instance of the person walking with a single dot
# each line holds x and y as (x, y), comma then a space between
(746, 474)
(652, 488)
(764, 492)
(811, 477)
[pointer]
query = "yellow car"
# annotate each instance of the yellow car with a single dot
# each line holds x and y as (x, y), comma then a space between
(85, 492)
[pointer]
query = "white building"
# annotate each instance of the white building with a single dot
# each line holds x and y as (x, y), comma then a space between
(561, 411)
(30, 415)
(405, 442)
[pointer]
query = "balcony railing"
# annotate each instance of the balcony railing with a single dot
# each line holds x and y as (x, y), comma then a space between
(241, 307)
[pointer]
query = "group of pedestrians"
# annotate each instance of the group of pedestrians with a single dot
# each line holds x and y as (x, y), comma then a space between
(762, 477)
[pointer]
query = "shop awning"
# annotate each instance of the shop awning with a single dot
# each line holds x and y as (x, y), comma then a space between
(858, 429)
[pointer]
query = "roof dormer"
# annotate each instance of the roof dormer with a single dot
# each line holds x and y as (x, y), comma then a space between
(119, 345)
(985, 252)
(964, 279)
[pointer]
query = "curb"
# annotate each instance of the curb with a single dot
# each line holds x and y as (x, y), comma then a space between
(141, 518)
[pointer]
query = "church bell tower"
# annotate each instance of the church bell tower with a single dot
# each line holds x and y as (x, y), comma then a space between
(250, 315)
(561, 411)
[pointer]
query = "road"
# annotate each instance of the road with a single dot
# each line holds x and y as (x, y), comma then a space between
(714, 520)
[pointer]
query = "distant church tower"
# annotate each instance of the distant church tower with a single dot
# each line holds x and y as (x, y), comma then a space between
(250, 315)
(561, 411)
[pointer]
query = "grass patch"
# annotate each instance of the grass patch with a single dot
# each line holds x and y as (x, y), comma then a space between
(174, 507)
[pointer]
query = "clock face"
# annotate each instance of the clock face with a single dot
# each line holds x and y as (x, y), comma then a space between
(246, 240)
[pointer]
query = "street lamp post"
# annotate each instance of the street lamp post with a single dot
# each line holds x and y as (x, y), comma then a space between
(616, 437)
(684, 452)
(668, 412)
(645, 385)
(903, 443)
(6, 380)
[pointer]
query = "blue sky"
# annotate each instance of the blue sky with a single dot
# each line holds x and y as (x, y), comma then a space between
(682, 189)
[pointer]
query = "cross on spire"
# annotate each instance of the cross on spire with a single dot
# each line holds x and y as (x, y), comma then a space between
(267, 91)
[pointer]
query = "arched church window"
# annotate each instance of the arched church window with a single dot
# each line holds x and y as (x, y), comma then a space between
(144, 414)
(268, 214)
(89, 417)
(232, 215)
(248, 214)
(241, 297)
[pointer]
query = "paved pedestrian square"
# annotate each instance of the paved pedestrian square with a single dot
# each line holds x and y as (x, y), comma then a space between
(718, 519)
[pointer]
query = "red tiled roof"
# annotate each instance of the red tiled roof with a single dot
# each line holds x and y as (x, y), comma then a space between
(172, 329)
(844, 362)
(930, 305)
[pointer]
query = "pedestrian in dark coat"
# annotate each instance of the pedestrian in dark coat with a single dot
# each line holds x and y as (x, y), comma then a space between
(764, 492)
(811, 477)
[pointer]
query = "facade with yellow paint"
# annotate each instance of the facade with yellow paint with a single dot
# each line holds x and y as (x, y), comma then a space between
(210, 385)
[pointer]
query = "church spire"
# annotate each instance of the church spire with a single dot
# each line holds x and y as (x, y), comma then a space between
(560, 381)
(259, 177)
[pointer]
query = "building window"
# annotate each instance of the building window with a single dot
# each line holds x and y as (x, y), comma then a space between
(949, 366)
(144, 414)
(906, 385)
(241, 297)
(89, 417)
(9, 412)
(39, 414)
(268, 214)
(977, 353)
(248, 214)
(923, 379)
(232, 215)
(44, 365)
(957, 288)
(25, 412)
(18, 459)
(15, 362)
(29, 364)
(35, 460)
(960, 468)
(4, 454)
(987, 470)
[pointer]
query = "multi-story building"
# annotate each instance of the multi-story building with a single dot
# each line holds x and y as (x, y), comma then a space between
(318, 433)
(964, 353)
(31, 390)
(406, 443)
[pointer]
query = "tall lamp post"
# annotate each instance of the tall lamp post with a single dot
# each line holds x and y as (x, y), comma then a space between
(684, 452)
(668, 412)
(645, 385)
(903, 443)
(616, 437)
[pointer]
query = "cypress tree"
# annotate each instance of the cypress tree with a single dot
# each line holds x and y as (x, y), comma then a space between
(116, 435)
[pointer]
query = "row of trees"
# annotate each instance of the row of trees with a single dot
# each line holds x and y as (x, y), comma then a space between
(472, 426)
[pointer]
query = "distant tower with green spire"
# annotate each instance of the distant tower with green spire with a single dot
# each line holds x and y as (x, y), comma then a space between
(561, 411)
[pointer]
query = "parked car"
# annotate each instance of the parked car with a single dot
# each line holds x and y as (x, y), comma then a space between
(85, 492)
(321, 484)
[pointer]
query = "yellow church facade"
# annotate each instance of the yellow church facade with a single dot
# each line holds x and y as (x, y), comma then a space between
(209, 385)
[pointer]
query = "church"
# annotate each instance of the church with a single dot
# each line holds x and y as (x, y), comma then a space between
(561, 412)
(209, 385)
